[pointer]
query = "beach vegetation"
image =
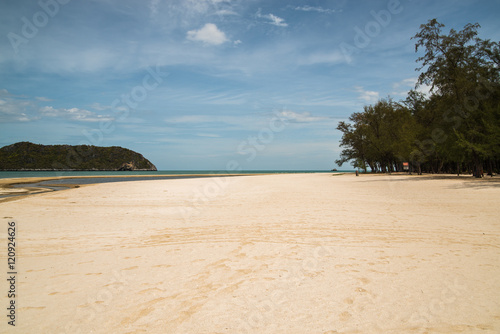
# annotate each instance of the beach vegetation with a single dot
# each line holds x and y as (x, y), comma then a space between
(454, 128)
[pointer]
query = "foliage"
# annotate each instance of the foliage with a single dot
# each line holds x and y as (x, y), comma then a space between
(29, 156)
(456, 127)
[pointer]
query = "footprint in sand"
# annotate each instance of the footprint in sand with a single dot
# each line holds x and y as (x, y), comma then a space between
(364, 280)
(344, 316)
(349, 301)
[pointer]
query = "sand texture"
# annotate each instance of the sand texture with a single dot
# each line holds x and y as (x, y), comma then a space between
(297, 253)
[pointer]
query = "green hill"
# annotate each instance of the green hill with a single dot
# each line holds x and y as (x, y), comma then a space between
(29, 156)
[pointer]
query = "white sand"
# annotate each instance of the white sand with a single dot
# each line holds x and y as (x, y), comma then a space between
(304, 253)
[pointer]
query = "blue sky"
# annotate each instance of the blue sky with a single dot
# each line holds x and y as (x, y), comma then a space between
(198, 84)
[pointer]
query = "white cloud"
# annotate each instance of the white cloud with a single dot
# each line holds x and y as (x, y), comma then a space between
(100, 107)
(307, 8)
(304, 117)
(191, 119)
(43, 99)
(274, 20)
(208, 34)
(153, 7)
(23, 109)
(209, 135)
(74, 114)
(402, 87)
(223, 12)
(367, 96)
(14, 108)
(175, 14)
(12, 112)
(277, 21)
(188, 11)
(207, 119)
(214, 123)
(425, 89)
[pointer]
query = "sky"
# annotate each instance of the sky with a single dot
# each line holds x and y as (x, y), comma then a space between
(211, 84)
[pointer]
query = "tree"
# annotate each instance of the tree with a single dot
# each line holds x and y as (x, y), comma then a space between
(456, 127)
(378, 138)
(463, 69)
(353, 139)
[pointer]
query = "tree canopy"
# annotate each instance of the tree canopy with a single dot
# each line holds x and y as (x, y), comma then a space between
(456, 128)
(29, 156)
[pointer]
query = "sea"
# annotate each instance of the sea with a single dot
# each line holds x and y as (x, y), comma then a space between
(88, 177)
(17, 174)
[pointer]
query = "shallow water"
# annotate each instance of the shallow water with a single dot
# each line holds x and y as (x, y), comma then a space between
(16, 174)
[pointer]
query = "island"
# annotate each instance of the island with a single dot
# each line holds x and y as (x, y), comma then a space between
(26, 156)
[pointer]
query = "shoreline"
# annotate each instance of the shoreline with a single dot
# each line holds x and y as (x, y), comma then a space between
(9, 192)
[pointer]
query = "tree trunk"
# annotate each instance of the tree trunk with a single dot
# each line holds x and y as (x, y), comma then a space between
(478, 166)
(440, 166)
(490, 168)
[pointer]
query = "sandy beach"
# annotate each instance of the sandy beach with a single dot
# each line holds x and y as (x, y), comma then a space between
(291, 253)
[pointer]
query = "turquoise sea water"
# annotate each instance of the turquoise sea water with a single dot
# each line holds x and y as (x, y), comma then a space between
(16, 174)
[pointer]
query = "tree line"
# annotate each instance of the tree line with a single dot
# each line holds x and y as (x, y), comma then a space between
(29, 156)
(453, 129)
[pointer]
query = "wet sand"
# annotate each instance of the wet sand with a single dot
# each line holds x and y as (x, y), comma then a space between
(292, 253)
(15, 188)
